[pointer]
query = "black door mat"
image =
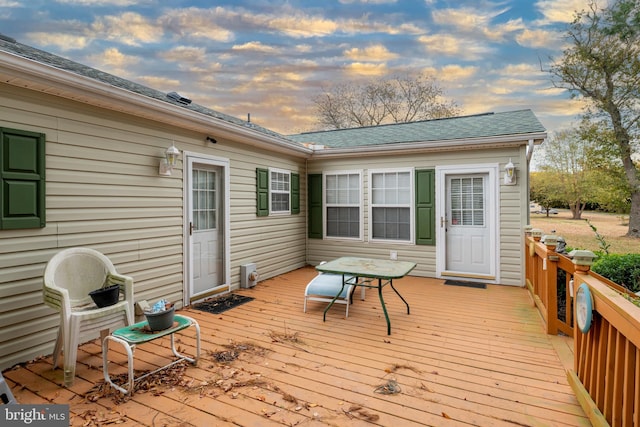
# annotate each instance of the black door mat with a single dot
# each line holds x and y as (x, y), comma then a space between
(221, 304)
(466, 284)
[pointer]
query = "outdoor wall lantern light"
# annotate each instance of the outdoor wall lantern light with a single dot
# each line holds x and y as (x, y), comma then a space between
(510, 174)
(170, 160)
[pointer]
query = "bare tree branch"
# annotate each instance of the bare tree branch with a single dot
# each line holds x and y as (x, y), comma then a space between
(398, 99)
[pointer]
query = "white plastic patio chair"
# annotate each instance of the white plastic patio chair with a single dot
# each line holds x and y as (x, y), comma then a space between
(68, 278)
(325, 286)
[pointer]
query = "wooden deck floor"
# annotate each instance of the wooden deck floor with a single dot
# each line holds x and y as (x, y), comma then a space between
(463, 357)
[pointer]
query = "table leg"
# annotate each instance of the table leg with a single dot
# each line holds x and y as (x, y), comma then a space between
(324, 316)
(398, 293)
(105, 363)
(193, 360)
(384, 307)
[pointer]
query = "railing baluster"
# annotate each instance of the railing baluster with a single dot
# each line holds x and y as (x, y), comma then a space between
(607, 356)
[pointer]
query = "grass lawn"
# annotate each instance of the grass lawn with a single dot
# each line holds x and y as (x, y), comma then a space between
(579, 235)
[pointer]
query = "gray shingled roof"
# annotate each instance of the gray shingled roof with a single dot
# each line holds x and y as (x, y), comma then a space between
(477, 126)
(7, 44)
(455, 128)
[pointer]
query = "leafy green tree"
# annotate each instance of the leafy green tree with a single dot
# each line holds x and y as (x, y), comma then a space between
(602, 66)
(567, 174)
(580, 167)
(544, 189)
(610, 189)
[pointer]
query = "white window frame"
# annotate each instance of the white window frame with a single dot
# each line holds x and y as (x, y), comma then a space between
(360, 205)
(409, 205)
(272, 191)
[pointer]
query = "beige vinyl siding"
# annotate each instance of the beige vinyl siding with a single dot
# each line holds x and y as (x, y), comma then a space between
(104, 192)
(275, 243)
(512, 205)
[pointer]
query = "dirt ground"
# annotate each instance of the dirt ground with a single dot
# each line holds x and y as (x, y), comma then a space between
(579, 235)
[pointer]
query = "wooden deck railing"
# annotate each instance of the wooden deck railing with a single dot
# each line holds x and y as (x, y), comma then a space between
(606, 374)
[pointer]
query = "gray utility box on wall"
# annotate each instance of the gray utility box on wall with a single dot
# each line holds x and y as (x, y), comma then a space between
(248, 275)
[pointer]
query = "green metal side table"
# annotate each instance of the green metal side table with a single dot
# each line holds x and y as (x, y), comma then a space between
(139, 333)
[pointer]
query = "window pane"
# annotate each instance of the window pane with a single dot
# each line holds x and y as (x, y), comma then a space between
(404, 196)
(391, 196)
(354, 196)
(467, 201)
(478, 217)
(202, 199)
(377, 196)
(279, 202)
(404, 180)
(331, 197)
(391, 223)
(343, 196)
(343, 222)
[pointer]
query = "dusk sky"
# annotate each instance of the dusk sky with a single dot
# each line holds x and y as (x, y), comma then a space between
(269, 58)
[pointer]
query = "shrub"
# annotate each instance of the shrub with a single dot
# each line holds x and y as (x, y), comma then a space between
(622, 269)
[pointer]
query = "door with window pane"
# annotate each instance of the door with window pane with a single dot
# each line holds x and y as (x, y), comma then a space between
(467, 225)
(205, 230)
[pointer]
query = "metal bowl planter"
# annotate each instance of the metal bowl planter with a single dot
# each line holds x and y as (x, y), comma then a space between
(160, 320)
(104, 297)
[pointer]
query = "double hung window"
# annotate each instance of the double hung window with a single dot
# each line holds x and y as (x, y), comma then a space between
(391, 205)
(280, 195)
(343, 204)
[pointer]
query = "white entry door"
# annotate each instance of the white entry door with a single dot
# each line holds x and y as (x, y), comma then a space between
(468, 224)
(206, 230)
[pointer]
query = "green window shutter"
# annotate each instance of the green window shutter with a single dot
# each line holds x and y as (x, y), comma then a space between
(425, 207)
(262, 192)
(295, 193)
(314, 196)
(22, 179)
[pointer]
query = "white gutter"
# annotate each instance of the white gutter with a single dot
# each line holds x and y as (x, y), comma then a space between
(530, 151)
(26, 73)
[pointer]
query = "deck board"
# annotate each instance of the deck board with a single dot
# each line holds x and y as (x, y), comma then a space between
(463, 357)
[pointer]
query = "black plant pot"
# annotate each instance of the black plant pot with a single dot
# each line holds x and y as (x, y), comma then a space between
(104, 297)
(160, 320)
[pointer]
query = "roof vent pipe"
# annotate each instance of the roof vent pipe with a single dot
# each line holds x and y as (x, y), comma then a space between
(178, 98)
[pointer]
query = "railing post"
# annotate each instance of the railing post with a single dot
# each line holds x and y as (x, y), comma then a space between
(582, 259)
(528, 257)
(535, 275)
(536, 233)
(550, 264)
